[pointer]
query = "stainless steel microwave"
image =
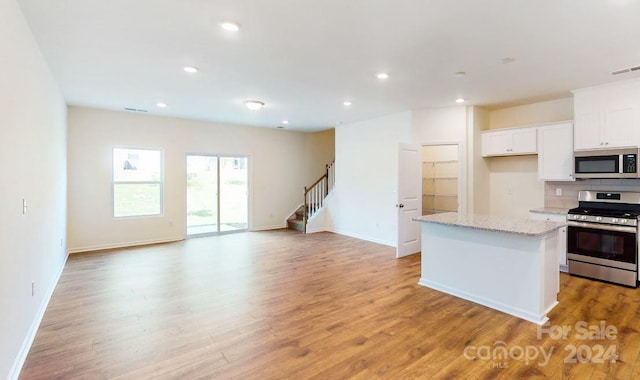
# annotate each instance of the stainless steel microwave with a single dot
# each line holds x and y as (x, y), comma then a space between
(614, 163)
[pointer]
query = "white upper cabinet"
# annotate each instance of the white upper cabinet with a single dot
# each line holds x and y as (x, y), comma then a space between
(507, 142)
(607, 117)
(555, 152)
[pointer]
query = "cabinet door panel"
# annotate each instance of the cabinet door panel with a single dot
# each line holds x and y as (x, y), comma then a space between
(555, 153)
(524, 141)
(496, 143)
(588, 113)
(620, 130)
(587, 131)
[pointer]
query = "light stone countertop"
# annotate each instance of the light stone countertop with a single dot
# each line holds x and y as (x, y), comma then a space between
(520, 226)
(550, 210)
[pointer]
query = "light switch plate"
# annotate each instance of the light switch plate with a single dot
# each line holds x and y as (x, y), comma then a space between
(558, 191)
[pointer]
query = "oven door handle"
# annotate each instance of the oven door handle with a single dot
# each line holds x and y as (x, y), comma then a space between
(605, 227)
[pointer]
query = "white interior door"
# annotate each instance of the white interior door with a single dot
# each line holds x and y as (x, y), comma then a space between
(409, 199)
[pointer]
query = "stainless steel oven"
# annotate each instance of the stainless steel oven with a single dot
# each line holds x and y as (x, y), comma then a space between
(602, 237)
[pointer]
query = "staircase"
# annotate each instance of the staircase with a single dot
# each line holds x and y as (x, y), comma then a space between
(297, 221)
(314, 198)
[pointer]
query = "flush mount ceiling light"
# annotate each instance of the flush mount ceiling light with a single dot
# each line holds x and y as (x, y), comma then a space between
(253, 105)
(347, 103)
(161, 105)
(382, 75)
(230, 26)
(625, 70)
(459, 74)
(190, 69)
(460, 100)
(507, 60)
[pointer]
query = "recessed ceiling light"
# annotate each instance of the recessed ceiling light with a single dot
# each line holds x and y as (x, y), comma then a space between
(230, 26)
(253, 105)
(382, 75)
(459, 74)
(347, 103)
(508, 60)
(161, 105)
(190, 69)
(460, 100)
(285, 122)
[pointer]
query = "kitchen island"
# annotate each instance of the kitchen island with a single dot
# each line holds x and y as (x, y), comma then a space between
(508, 264)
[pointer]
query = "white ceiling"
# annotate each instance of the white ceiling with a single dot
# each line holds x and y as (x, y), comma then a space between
(304, 58)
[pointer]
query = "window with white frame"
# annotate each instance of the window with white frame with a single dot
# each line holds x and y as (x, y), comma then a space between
(137, 182)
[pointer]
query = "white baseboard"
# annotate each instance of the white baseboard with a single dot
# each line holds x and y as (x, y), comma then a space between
(499, 306)
(316, 230)
(14, 373)
(267, 228)
(125, 244)
(362, 237)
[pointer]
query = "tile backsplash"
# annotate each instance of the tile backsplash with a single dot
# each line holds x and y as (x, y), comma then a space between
(569, 197)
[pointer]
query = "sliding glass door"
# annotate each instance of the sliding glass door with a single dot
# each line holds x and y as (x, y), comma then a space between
(234, 188)
(217, 194)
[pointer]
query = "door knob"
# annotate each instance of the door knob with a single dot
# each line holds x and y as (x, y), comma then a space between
(400, 205)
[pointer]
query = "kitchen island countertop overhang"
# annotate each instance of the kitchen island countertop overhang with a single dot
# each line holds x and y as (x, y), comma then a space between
(508, 264)
(520, 226)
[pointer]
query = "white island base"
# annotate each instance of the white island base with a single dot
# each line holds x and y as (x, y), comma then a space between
(516, 273)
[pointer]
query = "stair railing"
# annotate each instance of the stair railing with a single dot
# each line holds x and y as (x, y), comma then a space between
(315, 195)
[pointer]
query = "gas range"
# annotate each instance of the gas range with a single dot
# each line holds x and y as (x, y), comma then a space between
(602, 236)
(617, 208)
(604, 216)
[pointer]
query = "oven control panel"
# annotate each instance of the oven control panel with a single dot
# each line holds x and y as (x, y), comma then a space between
(603, 219)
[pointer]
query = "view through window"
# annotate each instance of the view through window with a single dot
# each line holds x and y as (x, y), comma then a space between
(137, 182)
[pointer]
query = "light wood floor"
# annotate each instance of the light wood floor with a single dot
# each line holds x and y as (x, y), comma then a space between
(283, 305)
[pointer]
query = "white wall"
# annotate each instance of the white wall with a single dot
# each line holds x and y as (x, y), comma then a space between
(320, 151)
(514, 184)
(515, 188)
(439, 125)
(534, 113)
(32, 166)
(279, 166)
(364, 201)
(363, 204)
(478, 178)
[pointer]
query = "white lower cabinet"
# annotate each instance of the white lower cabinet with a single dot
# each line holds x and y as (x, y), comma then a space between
(562, 235)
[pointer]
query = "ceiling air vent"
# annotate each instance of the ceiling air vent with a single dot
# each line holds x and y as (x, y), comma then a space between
(627, 70)
(134, 110)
